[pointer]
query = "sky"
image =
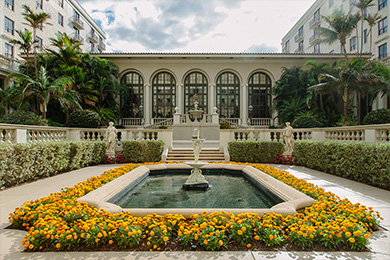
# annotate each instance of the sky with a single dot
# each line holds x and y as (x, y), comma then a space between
(193, 26)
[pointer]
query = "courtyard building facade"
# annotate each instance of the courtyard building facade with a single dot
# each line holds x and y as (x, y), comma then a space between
(67, 16)
(238, 85)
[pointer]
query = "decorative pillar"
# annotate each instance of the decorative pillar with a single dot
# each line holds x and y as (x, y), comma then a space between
(244, 104)
(212, 91)
(180, 98)
(148, 102)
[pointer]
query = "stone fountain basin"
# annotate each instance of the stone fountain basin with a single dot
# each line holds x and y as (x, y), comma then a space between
(294, 201)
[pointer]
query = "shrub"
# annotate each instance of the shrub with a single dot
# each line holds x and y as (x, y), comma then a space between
(380, 116)
(23, 118)
(363, 162)
(306, 122)
(84, 118)
(111, 160)
(28, 162)
(254, 151)
(143, 150)
(224, 125)
(281, 159)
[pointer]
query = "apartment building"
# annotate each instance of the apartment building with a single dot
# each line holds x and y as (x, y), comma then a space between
(67, 16)
(304, 36)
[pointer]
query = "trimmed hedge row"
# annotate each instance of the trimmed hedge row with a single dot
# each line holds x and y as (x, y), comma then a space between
(27, 162)
(364, 162)
(142, 150)
(254, 151)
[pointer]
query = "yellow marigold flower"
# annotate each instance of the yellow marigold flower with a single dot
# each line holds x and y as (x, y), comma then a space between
(348, 234)
(257, 237)
(352, 240)
(165, 239)
(99, 235)
(31, 246)
(220, 242)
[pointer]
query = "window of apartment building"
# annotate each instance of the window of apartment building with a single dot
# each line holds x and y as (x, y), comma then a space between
(60, 3)
(317, 15)
(287, 45)
(76, 15)
(352, 43)
(365, 37)
(300, 46)
(39, 4)
(9, 50)
(9, 25)
(382, 26)
(300, 31)
(38, 42)
(60, 19)
(331, 2)
(382, 4)
(9, 4)
(92, 46)
(382, 50)
(317, 48)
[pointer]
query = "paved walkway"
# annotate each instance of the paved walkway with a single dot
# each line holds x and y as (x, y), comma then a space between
(10, 240)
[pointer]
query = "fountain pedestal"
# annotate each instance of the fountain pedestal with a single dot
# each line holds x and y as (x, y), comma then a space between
(196, 181)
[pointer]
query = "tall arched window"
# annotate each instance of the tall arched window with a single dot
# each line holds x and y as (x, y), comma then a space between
(133, 98)
(164, 95)
(259, 95)
(228, 95)
(195, 83)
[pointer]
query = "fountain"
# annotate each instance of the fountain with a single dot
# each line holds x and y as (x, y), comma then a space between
(196, 179)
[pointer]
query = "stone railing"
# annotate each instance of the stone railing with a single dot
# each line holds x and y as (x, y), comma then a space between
(265, 122)
(131, 121)
(31, 134)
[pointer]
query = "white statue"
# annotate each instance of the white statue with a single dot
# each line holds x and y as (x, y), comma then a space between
(288, 135)
(111, 134)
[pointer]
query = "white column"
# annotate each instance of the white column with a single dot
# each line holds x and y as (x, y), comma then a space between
(180, 98)
(148, 102)
(244, 104)
(212, 96)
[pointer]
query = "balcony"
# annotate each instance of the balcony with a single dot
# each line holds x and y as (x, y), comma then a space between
(92, 37)
(315, 21)
(76, 21)
(77, 37)
(8, 63)
(102, 46)
(314, 39)
(92, 49)
(299, 50)
(298, 37)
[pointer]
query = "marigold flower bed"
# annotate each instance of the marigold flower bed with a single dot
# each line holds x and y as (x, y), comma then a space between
(60, 222)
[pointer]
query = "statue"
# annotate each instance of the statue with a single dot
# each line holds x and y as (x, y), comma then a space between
(288, 135)
(111, 134)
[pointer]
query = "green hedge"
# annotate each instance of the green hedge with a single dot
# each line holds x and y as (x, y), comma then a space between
(254, 151)
(27, 162)
(143, 150)
(364, 162)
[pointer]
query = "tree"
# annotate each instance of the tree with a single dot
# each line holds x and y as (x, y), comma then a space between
(362, 5)
(372, 20)
(25, 43)
(341, 26)
(44, 88)
(35, 21)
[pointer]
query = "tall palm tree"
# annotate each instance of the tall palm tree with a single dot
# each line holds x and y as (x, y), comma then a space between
(362, 5)
(35, 21)
(25, 43)
(341, 26)
(372, 20)
(44, 88)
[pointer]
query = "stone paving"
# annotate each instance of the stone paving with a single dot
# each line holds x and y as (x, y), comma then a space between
(10, 240)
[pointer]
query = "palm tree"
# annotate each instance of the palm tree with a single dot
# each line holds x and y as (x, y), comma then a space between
(372, 20)
(341, 26)
(25, 43)
(43, 88)
(35, 20)
(362, 5)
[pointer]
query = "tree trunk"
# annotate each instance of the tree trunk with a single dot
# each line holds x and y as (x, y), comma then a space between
(35, 52)
(346, 101)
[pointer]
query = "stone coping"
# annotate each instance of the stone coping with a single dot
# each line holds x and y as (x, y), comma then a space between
(294, 200)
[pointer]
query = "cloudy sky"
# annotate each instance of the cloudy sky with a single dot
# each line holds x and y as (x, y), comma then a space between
(195, 25)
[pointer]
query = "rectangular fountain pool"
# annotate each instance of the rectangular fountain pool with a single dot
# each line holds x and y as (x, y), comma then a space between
(231, 190)
(230, 196)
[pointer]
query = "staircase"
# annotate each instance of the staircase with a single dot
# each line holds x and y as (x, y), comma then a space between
(187, 154)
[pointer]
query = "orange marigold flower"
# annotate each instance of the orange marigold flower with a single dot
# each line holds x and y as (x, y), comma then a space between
(352, 240)
(220, 242)
(366, 236)
(205, 242)
(239, 232)
(110, 242)
(348, 234)
(248, 245)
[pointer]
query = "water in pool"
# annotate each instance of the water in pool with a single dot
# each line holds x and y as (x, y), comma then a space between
(166, 191)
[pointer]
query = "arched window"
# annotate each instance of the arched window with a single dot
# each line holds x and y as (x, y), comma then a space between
(195, 83)
(228, 95)
(259, 95)
(164, 95)
(133, 98)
